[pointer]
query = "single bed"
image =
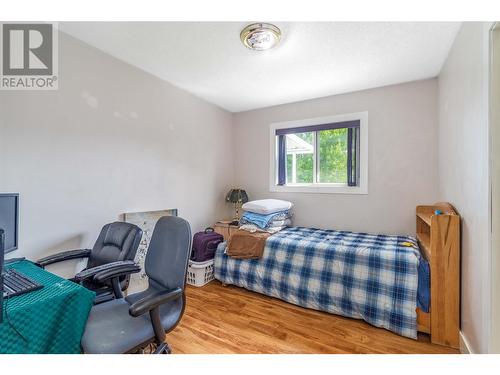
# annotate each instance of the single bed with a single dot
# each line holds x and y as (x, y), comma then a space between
(358, 275)
(399, 283)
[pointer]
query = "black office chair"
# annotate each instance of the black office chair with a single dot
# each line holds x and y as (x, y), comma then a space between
(127, 325)
(117, 242)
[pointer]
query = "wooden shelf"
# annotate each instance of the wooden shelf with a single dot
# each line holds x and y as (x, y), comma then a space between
(425, 213)
(424, 240)
(425, 216)
(439, 242)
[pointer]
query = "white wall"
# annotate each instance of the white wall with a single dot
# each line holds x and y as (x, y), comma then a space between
(463, 170)
(495, 191)
(402, 129)
(112, 139)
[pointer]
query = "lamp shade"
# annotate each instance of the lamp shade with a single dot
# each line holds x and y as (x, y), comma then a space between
(237, 196)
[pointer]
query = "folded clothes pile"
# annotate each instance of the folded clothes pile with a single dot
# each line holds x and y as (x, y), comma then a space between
(266, 215)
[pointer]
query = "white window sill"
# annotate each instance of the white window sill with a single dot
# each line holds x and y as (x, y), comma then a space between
(319, 189)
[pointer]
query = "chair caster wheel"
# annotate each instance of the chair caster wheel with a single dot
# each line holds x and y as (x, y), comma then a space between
(163, 349)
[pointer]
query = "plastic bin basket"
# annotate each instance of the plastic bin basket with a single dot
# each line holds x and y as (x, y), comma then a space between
(200, 273)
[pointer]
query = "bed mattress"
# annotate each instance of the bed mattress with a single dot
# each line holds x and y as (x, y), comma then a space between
(358, 275)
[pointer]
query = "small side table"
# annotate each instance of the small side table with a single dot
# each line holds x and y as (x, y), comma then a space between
(224, 228)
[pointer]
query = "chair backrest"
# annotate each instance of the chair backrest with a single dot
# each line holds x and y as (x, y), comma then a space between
(117, 241)
(168, 253)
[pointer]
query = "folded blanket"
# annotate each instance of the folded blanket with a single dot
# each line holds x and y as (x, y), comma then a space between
(254, 228)
(246, 245)
(263, 221)
(279, 223)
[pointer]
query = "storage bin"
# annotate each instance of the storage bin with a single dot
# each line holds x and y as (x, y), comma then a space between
(200, 273)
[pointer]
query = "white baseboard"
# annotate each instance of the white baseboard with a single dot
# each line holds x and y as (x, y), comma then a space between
(464, 345)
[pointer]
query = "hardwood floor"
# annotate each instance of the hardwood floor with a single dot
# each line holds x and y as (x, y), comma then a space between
(234, 320)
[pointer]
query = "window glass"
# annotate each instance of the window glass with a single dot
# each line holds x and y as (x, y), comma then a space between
(300, 158)
(332, 156)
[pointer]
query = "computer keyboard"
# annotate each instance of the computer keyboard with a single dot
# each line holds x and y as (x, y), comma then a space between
(15, 283)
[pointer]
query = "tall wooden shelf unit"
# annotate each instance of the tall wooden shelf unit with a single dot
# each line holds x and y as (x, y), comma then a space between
(439, 240)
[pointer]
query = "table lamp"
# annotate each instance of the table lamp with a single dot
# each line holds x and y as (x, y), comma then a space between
(237, 197)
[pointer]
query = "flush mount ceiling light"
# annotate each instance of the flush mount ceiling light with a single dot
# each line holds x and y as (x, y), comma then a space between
(260, 36)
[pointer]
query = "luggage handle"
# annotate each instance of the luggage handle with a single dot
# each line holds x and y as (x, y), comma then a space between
(209, 230)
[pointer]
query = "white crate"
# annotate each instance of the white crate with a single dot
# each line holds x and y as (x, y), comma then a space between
(200, 273)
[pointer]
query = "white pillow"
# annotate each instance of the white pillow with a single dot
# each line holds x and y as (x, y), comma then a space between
(267, 206)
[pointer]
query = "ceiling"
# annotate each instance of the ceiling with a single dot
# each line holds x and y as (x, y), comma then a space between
(313, 60)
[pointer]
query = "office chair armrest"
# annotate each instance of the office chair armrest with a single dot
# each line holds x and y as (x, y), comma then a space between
(62, 256)
(106, 271)
(151, 302)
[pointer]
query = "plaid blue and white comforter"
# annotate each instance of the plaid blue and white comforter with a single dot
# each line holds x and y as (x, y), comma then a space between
(358, 275)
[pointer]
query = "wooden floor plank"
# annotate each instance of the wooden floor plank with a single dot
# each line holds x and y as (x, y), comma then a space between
(234, 320)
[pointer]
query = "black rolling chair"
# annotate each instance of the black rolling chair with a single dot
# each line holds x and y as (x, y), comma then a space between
(129, 324)
(116, 245)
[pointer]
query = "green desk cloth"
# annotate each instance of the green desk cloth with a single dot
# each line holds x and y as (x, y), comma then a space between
(49, 320)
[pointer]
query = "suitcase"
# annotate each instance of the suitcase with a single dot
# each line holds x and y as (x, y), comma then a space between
(204, 245)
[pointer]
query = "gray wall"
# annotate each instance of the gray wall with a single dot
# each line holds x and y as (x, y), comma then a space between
(463, 170)
(112, 139)
(402, 152)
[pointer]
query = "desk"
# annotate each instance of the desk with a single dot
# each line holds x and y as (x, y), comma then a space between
(48, 320)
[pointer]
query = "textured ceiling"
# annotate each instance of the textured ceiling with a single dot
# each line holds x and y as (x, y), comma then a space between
(312, 60)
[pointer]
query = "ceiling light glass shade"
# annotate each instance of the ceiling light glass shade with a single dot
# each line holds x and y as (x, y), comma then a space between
(260, 36)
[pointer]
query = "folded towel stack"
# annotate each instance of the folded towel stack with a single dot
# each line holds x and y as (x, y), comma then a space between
(266, 215)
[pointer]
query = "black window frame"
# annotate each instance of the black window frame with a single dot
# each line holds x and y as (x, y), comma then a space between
(353, 149)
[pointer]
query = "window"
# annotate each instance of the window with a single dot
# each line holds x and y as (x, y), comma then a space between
(320, 155)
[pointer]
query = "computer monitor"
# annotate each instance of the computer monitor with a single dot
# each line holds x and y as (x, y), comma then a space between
(9, 220)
